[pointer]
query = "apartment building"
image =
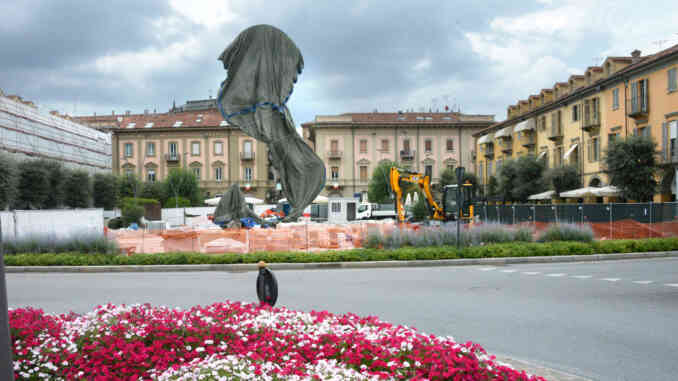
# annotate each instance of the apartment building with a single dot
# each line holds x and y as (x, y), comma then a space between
(27, 132)
(150, 145)
(573, 122)
(351, 145)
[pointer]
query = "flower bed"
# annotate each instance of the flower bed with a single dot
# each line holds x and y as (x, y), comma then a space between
(235, 341)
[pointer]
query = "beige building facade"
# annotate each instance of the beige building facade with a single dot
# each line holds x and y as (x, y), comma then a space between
(352, 145)
(150, 145)
(574, 122)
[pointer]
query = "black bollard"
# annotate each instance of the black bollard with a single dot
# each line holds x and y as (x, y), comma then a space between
(267, 285)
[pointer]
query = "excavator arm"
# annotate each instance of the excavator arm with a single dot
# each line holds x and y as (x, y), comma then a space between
(398, 178)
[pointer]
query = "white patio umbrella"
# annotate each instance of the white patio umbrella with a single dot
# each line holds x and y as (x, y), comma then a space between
(542, 196)
(415, 198)
(320, 199)
(581, 192)
(213, 201)
(608, 191)
(408, 200)
(253, 200)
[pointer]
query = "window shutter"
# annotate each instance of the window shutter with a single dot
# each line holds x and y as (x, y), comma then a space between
(634, 96)
(645, 98)
(665, 141)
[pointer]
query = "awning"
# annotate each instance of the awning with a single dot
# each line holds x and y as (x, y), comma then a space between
(569, 151)
(524, 126)
(504, 132)
(485, 139)
(541, 154)
(542, 196)
(581, 192)
(609, 190)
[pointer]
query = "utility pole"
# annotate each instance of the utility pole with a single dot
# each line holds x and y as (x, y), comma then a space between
(6, 366)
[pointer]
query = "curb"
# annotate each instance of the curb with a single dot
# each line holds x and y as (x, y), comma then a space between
(243, 267)
(549, 374)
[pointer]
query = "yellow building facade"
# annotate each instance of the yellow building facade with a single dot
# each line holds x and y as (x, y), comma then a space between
(574, 122)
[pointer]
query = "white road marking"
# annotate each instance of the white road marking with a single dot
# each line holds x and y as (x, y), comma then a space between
(582, 276)
(487, 269)
(671, 284)
(508, 271)
(556, 275)
(611, 279)
(531, 273)
(642, 281)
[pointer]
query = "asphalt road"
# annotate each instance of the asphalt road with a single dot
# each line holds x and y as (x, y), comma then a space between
(613, 320)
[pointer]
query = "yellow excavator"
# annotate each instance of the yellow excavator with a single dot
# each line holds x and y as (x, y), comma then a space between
(399, 178)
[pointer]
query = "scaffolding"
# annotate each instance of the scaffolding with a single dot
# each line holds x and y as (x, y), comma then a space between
(28, 132)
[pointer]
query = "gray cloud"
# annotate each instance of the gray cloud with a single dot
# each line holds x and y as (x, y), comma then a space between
(360, 55)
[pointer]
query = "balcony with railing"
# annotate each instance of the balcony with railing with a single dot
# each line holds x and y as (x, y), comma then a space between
(506, 145)
(638, 107)
(488, 150)
(407, 155)
(247, 155)
(172, 157)
(334, 154)
(527, 139)
(591, 120)
(556, 131)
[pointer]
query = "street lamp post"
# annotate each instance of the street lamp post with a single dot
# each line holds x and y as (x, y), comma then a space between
(6, 367)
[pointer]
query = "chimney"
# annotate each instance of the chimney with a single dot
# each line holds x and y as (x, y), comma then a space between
(635, 56)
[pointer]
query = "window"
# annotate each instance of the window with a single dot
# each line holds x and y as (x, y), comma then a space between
(218, 148)
(363, 173)
(557, 157)
(150, 177)
(489, 168)
(129, 149)
(615, 99)
(429, 169)
(450, 145)
(248, 174)
(406, 145)
(173, 151)
(363, 145)
(129, 172)
(195, 148)
(335, 173)
(150, 149)
(334, 145)
(480, 173)
(575, 113)
(612, 137)
(593, 149)
(639, 96)
(336, 207)
(247, 146)
(384, 145)
(218, 173)
(428, 145)
(673, 81)
(196, 172)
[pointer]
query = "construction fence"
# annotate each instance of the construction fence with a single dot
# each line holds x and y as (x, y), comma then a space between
(308, 237)
(609, 221)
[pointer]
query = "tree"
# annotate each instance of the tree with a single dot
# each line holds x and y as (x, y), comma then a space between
(506, 182)
(128, 186)
(448, 177)
(492, 186)
(564, 178)
(631, 166)
(8, 181)
(154, 190)
(420, 209)
(530, 177)
(378, 189)
(105, 191)
(33, 186)
(183, 183)
(78, 189)
(519, 178)
(56, 176)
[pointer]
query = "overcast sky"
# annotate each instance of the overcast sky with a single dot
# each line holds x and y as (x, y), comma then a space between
(82, 57)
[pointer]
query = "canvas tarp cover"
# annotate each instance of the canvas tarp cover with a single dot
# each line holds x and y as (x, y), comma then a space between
(262, 65)
(232, 207)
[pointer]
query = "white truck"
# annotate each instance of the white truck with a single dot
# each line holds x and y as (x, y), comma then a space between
(368, 211)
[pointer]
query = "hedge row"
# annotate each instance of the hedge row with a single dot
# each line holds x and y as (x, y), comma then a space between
(514, 249)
